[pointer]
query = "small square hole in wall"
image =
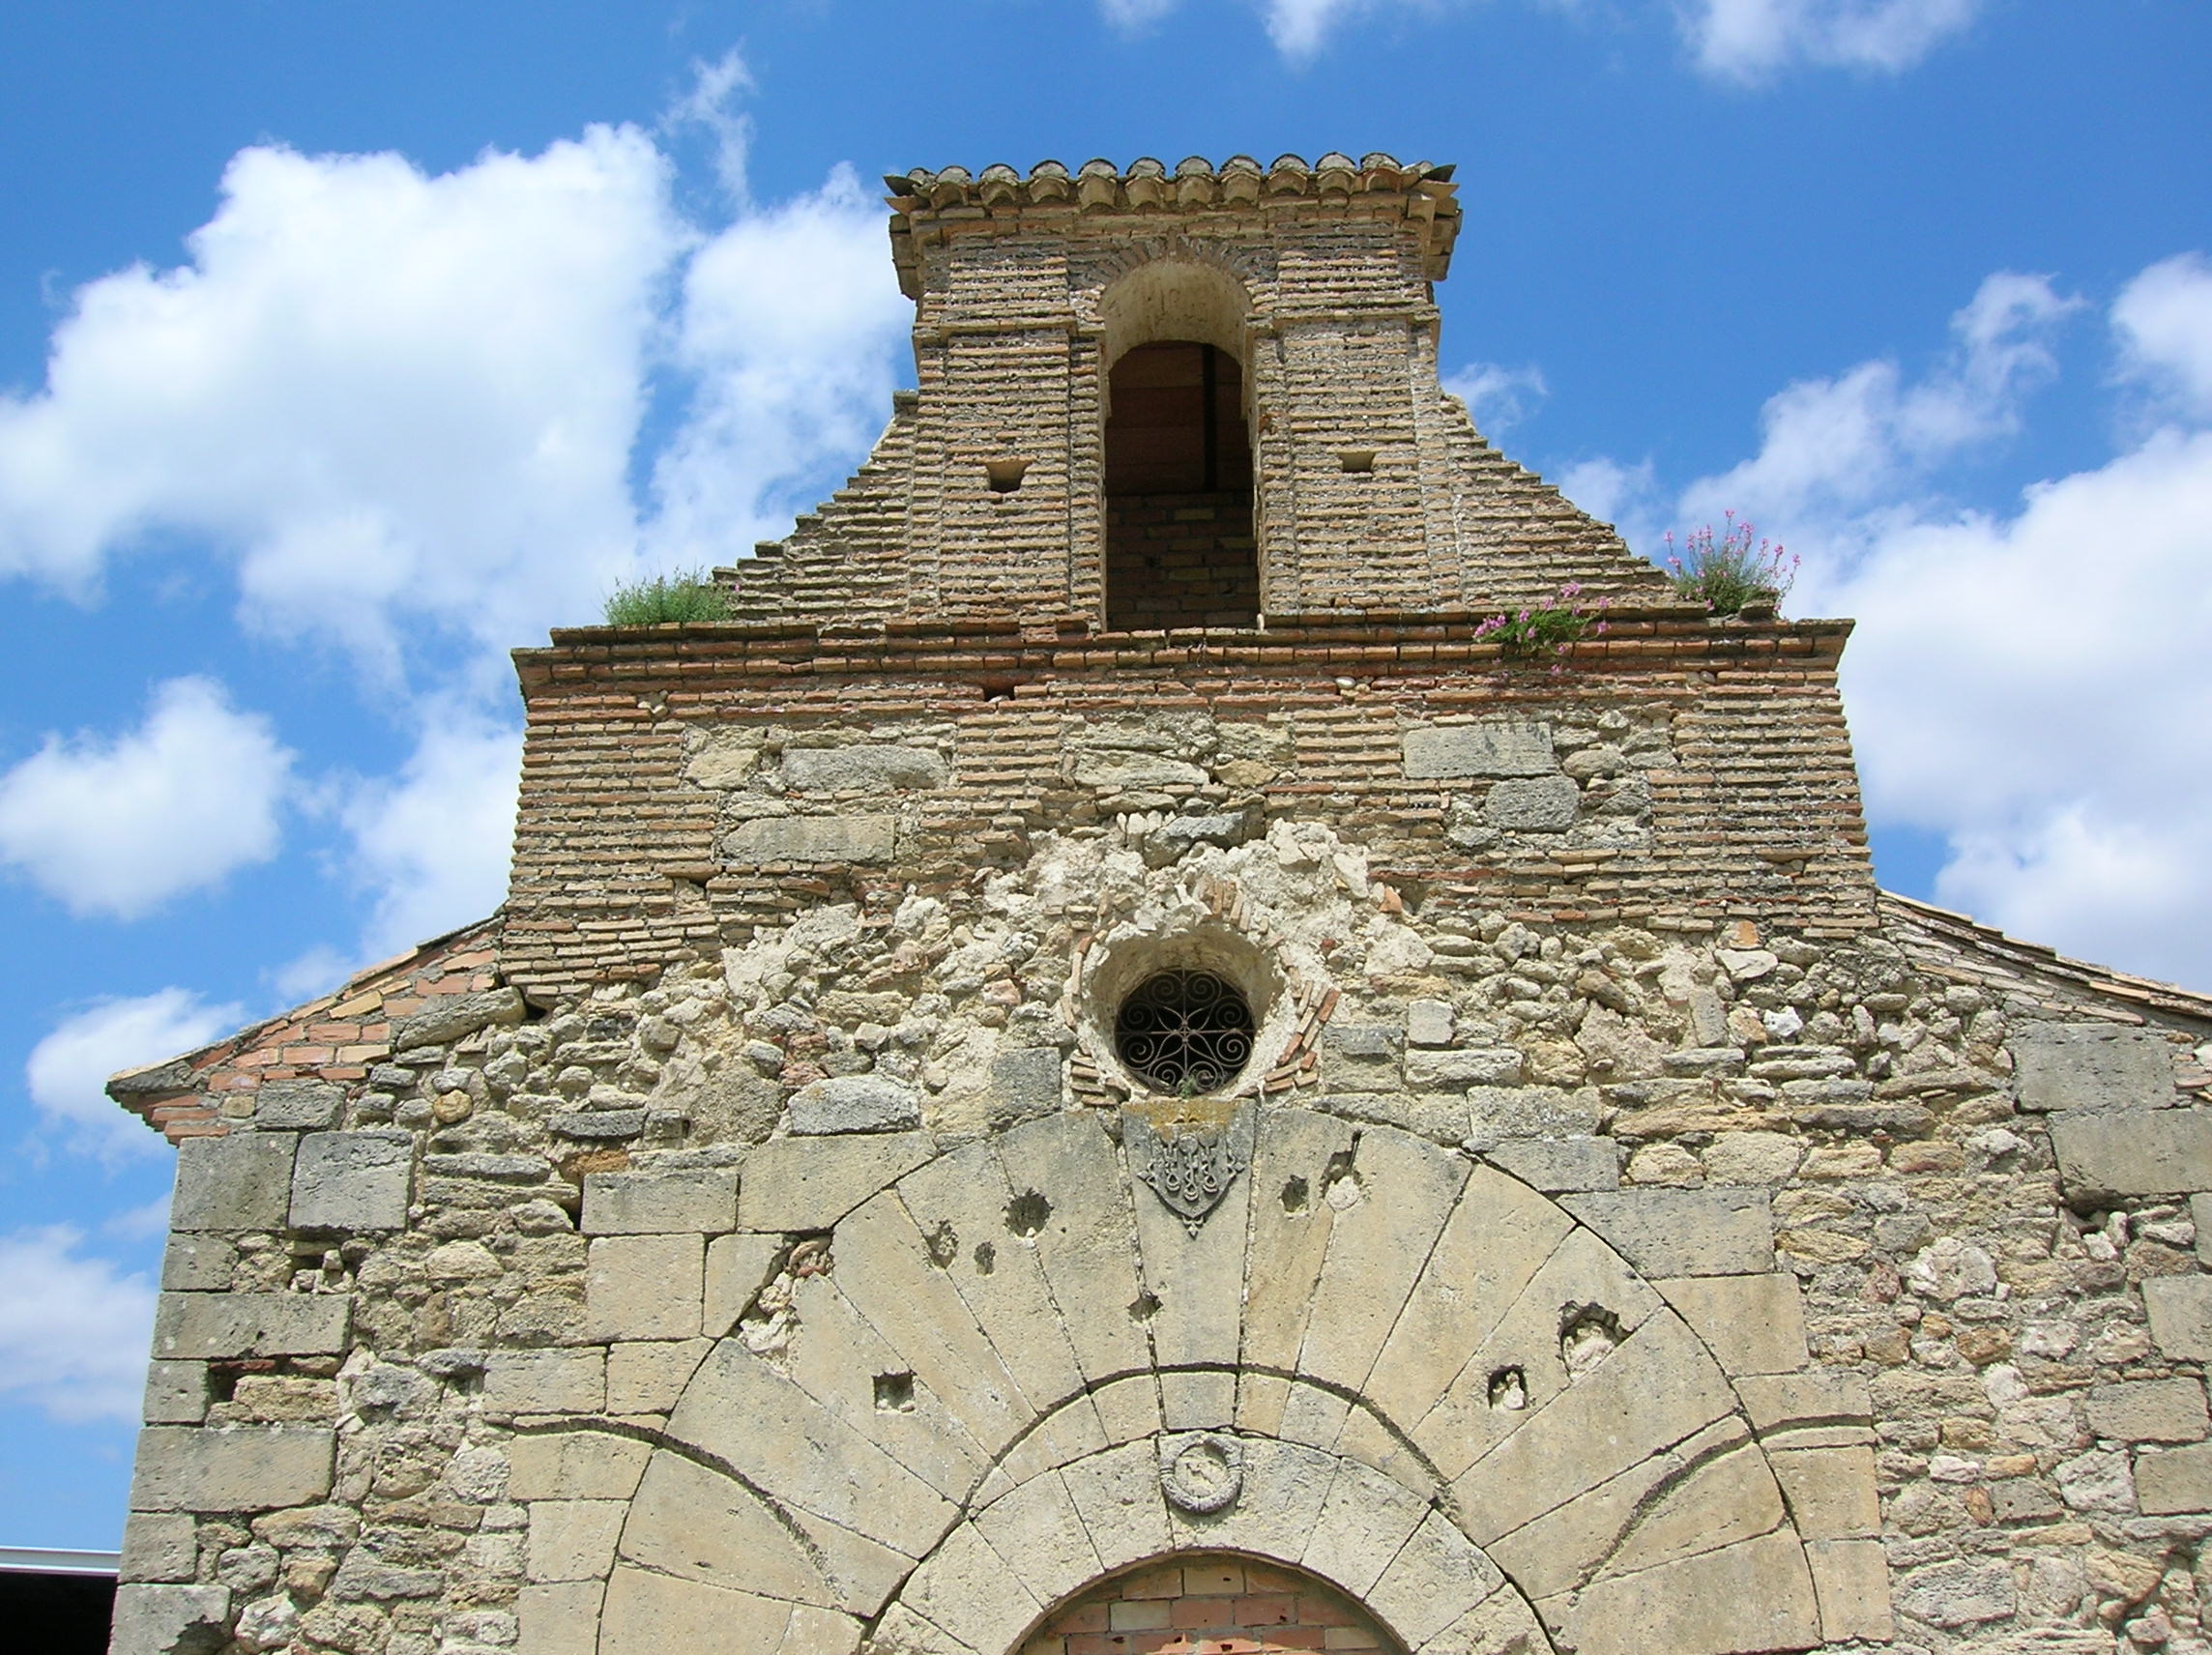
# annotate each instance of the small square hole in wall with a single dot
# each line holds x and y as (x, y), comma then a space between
(1356, 459)
(894, 1393)
(1006, 475)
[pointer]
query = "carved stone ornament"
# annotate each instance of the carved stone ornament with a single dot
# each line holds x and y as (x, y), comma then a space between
(1200, 1471)
(1190, 1168)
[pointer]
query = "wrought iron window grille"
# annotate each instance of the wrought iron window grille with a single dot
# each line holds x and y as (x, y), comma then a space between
(1185, 1032)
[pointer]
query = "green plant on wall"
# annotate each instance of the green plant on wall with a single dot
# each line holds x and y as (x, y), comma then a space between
(1544, 628)
(683, 595)
(1731, 570)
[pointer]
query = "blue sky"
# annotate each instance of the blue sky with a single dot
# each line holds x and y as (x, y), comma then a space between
(344, 347)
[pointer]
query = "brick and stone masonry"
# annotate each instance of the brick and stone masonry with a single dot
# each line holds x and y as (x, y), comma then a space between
(1625, 1227)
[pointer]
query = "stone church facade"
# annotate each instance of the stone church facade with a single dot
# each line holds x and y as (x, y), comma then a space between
(1107, 1071)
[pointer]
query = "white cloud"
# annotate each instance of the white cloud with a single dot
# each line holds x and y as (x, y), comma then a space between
(1626, 496)
(1745, 40)
(1750, 40)
(2032, 684)
(403, 406)
(73, 1331)
(710, 104)
(404, 409)
(1860, 440)
(1498, 397)
(118, 826)
(2036, 688)
(392, 398)
(67, 1072)
(433, 844)
(1132, 15)
(1298, 27)
(789, 328)
(2164, 318)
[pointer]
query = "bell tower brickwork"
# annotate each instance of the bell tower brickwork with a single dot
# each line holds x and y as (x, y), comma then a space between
(1621, 1226)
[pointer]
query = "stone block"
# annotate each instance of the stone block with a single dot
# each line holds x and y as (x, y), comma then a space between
(199, 1327)
(2176, 1480)
(545, 1382)
(1431, 1070)
(241, 1181)
(1496, 1113)
(1683, 1233)
(644, 1287)
(159, 1546)
(352, 1181)
(1538, 804)
(2089, 1066)
(1116, 769)
(574, 1466)
(737, 1268)
(239, 1468)
(176, 1393)
(559, 1619)
(1830, 1491)
(1851, 1578)
(2149, 1410)
(451, 1016)
(170, 1620)
(1025, 1082)
(297, 1106)
(200, 1263)
(1492, 748)
(1752, 1325)
(1555, 1164)
(838, 840)
(649, 1376)
(1429, 1023)
(1962, 1593)
(574, 1540)
(1756, 1594)
(800, 1184)
(853, 1103)
(2024, 1500)
(2131, 1152)
(1821, 1396)
(699, 1200)
(598, 1125)
(874, 768)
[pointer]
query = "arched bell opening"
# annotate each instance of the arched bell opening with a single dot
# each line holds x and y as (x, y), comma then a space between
(1181, 548)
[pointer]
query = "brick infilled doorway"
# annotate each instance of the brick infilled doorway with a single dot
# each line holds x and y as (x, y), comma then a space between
(1208, 1605)
(1180, 550)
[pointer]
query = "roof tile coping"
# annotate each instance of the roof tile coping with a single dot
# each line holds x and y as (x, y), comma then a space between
(148, 1086)
(953, 198)
(2008, 952)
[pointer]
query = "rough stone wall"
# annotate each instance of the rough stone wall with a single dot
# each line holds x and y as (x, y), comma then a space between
(1923, 1196)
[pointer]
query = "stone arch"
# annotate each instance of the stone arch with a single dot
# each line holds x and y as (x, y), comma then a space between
(1004, 1570)
(1175, 296)
(1365, 1310)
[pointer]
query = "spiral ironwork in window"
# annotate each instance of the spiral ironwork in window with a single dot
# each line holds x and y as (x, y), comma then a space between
(1185, 1032)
